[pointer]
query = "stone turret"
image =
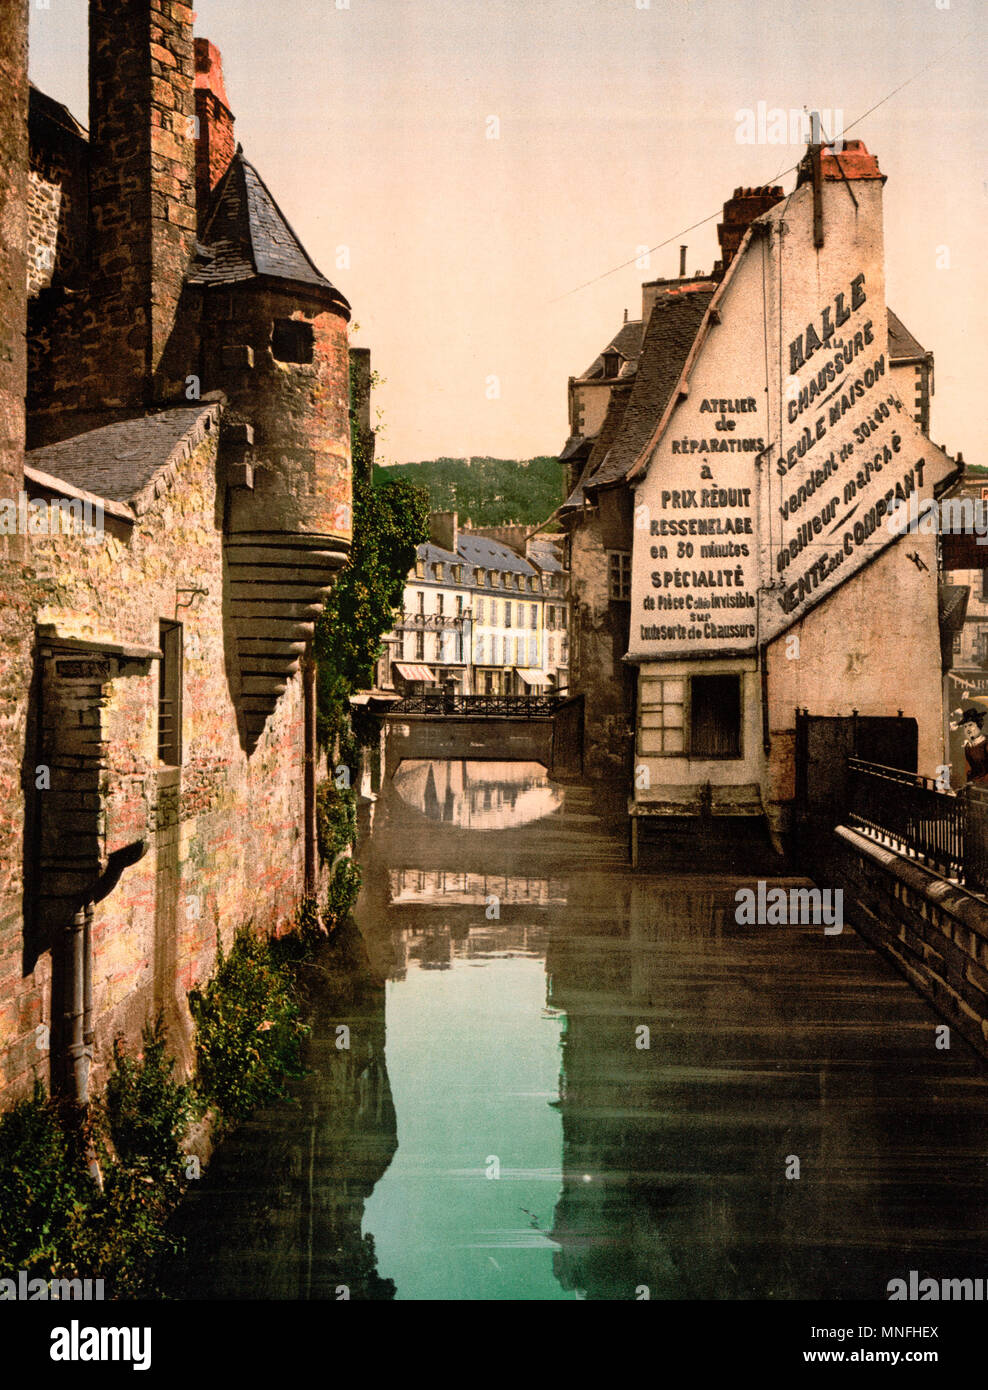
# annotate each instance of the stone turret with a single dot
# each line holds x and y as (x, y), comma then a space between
(274, 339)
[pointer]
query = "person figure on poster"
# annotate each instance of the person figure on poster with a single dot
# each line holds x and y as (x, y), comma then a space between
(975, 748)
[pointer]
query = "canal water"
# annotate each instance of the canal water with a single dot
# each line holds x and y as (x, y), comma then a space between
(534, 1074)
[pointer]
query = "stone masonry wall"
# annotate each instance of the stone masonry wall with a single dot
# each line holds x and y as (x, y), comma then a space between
(58, 203)
(224, 838)
(15, 615)
(599, 640)
(934, 931)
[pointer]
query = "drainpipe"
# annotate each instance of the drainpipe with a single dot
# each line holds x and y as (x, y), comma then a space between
(79, 1013)
(309, 715)
(79, 1002)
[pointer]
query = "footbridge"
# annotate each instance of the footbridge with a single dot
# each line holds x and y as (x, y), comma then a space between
(546, 729)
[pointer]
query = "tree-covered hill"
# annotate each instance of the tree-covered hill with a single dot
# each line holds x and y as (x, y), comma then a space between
(487, 491)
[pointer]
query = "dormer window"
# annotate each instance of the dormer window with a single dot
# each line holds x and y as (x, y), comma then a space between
(457, 574)
(495, 579)
(612, 363)
(481, 576)
(419, 569)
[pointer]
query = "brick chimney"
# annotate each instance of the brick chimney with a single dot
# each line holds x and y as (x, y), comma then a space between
(215, 143)
(739, 213)
(142, 187)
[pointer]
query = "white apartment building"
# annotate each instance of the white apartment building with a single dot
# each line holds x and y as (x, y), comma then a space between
(480, 615)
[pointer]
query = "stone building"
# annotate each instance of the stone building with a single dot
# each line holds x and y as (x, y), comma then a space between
(615, 408)
(183, 383)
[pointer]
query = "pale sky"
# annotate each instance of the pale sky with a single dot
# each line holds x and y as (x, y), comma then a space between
(616, 129)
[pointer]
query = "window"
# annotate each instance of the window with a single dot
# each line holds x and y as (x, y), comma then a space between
(957, 641)
(419, 569)
(420, 646)
(533, 652)
(563, 650)
(170, 694)
(715, 716)
(495, 579)
(459, 605)
(519, 581)
(440, 603)
(479, 658)
(291, 340)
(619, 574)
(457, 573)
(495, 651)
(984, 583)
(421, 599)
(507, 614)
(660, 732)
(437, 569)
(519, 650)
(480, 610)
(533, 583)
(481, 576)
(533, 616)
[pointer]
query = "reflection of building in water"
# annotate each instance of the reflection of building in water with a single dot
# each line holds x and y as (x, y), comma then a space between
(279, 1213)
(674, 1155)
(477, 795)
(447, 888)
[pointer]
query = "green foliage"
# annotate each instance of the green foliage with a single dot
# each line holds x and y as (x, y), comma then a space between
(389, 521)
(343, 892)
(487, 491)
(248, 1028)
(145, 1110)
(55, 1220)
(336, 819)
(42, 1182)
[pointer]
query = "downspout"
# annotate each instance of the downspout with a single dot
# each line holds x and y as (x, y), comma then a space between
(79, 1013)
(79, 1002)
(309, 717)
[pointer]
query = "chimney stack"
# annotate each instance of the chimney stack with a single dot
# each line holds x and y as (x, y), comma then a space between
(739, 213)
(215, 143)
(444, 530)
(682, 263)
(142, 189)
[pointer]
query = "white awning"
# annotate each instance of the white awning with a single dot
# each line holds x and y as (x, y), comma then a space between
(532, 677)
(415, 673)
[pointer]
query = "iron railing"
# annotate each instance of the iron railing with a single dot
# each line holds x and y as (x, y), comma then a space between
(482, 706)
(421, 622)
(946, 830)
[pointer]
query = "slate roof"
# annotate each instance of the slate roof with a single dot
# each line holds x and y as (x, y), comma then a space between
(40, 104)
(123, 461)
(484, 553)
(247, 235)
(901, 341)
(475, 552)
(627, 341)
(545, 556)
(672, 328)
